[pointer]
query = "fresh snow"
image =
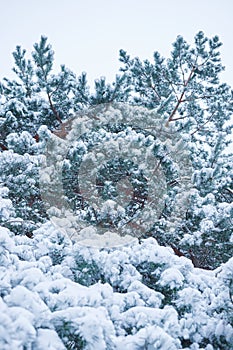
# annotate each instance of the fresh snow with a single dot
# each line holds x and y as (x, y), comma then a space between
(42, 296)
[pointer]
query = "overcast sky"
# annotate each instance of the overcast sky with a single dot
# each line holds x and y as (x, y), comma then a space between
(87, 35)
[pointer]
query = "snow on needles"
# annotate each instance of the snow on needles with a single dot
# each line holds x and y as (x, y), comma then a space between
(55, 295)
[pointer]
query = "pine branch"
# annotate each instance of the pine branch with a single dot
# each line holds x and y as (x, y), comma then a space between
(3, 147)
(201, 126)
(54, 109)
(180, 100)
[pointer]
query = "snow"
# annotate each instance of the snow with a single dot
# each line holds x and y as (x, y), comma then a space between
(6, 207)
(49, 340)
(172, 278)
(44, 304)
(151, 338)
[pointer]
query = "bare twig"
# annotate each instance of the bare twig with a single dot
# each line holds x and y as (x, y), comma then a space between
(201, 126)
(180, 100)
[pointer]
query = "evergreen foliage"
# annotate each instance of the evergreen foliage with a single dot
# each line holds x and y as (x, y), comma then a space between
(141, 296)
(185, 90)
(144, 296)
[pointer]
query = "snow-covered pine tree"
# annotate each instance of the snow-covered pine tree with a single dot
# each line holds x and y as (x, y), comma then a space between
(38, 96)
(186, 90)
(140, 296)
(34, 103)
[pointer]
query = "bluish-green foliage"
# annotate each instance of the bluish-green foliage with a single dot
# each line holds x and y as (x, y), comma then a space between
(184, 89)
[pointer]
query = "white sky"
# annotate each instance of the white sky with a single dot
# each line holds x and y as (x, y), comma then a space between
(87, 35)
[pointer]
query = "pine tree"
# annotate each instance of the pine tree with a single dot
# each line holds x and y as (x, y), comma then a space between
(186, 90)
(34, 103)
(54, 293)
